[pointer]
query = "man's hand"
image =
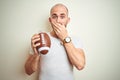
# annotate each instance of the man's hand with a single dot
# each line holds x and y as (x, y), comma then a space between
(34, 43)
(60, 30)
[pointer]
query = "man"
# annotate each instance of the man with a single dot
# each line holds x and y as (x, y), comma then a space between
(58, 63)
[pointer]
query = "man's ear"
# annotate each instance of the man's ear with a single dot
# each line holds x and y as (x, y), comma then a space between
(49, 19)
(68, 20)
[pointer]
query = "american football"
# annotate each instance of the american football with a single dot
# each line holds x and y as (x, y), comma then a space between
(45, 43)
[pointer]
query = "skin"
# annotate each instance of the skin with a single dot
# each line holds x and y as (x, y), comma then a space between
(58, 20)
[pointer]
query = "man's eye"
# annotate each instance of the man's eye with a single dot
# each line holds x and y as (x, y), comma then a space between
(54, 17)
(62, 17)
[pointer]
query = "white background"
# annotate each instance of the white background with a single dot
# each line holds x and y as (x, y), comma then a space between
(96, 22)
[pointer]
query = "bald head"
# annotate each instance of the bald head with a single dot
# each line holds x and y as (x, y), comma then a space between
(59, 6)
(59, 14)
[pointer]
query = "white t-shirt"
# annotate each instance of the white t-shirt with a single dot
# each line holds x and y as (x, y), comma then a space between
(55, 64)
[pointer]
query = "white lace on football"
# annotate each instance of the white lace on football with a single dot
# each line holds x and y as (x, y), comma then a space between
(43, 48)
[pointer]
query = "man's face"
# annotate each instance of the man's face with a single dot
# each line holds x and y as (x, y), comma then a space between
(59, 14)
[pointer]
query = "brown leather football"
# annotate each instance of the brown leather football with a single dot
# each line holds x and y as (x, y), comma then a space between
(45, 43)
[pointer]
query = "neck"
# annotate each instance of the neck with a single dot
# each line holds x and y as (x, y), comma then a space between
(53, 34)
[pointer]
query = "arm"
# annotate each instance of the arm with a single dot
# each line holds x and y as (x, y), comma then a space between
(76, 55)
(32, 62)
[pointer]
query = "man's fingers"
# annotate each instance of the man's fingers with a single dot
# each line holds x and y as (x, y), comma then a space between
(35, 40)
(35, 45)
(35, 36)
(35, 51)
(57, 25)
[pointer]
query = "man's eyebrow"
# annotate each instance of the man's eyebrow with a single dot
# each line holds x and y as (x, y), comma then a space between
(54, 14)
(62, 14)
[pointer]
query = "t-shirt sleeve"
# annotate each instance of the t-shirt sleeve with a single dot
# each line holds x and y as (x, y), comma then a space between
(77, 43)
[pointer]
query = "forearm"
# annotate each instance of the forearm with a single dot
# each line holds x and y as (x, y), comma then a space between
(75, 55)
(31, 64)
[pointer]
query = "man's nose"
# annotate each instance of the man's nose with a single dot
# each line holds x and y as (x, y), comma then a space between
(58, 20)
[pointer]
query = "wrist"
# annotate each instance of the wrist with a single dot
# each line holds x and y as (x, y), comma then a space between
(67, 40)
